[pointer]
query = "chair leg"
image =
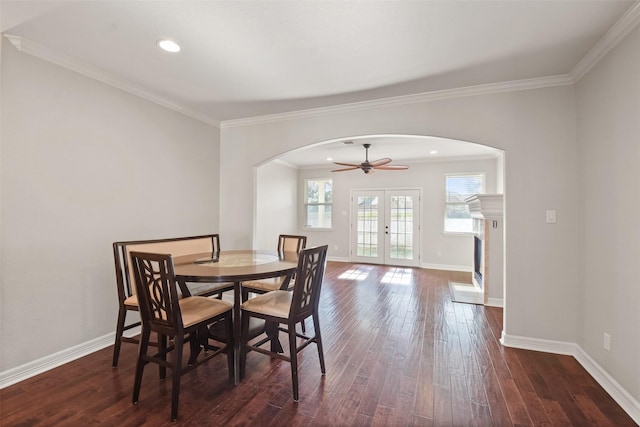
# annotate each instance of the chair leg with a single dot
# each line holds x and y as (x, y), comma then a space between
(316, 326)
(122, 314)
(293, 351)
(228, 323)
(177, 372)
(162, 347)
(142, 351)
(243, 343)
(197, 341)
(272, 331)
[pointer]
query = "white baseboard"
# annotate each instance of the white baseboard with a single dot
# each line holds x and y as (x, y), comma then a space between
(31, 369)
(610, 385)
(495, 302)
(465, 268)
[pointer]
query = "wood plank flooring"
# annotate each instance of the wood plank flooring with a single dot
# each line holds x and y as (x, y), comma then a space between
(399, 352)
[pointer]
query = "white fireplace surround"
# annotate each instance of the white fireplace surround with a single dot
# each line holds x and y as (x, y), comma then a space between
(487, 213)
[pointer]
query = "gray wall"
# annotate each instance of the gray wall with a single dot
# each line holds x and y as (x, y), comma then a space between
(276, 204)
(608, 125)
(83, 165)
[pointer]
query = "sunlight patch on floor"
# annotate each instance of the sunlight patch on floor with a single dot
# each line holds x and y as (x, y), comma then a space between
(355, 274)
(398, 276)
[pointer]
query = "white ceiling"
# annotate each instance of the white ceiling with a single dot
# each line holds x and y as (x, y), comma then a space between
(402, 149)
(243, 59)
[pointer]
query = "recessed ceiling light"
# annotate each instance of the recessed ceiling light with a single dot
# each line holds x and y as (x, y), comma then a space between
(169, 45)
(330, 159)
(433, 152)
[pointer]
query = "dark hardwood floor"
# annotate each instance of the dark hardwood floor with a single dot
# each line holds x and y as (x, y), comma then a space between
(399, 352)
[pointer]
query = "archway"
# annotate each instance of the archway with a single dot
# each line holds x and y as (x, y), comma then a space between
(279, 191)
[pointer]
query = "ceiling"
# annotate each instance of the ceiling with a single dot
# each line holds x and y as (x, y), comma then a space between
(244, 59)
(402, 149)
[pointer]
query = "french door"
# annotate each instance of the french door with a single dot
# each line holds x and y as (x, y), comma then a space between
(385, 227)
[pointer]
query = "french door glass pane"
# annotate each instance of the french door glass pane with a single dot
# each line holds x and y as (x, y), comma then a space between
(401, 227)
(367, 226)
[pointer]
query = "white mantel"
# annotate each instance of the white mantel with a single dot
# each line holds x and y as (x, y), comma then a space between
(488, 206)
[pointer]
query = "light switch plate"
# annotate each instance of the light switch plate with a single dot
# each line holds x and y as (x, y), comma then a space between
(551, 217)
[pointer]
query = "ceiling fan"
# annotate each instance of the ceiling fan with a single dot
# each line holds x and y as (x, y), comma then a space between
(369, 167)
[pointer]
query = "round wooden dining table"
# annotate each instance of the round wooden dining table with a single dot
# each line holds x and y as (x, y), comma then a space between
(235, 267)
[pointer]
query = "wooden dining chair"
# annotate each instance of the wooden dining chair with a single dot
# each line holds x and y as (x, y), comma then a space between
(184, 320)
(127, 298)
(289, 246)
(289, 308)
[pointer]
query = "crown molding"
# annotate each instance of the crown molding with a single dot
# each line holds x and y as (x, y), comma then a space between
(62, 60)
(486, 89)
(619, 31)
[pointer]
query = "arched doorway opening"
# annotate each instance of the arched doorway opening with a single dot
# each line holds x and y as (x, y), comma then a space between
(280, 193)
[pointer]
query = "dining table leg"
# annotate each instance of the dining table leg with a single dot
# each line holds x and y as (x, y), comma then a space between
(237, 301)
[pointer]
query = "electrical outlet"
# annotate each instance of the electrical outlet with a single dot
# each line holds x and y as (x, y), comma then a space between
(607, 342)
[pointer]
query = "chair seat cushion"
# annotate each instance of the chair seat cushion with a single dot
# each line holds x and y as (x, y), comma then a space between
(267, 285)
(132, 301)
(274, 303)
(196, 309)
(198, 289)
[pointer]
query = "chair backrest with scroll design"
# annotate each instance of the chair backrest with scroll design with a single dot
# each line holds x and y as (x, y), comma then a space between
(158, 296)
(309, 276)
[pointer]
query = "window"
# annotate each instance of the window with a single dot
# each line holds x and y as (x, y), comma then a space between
(318, 196)
(457, 218)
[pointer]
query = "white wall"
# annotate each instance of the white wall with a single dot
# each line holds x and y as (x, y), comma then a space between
(276, 204)
(456, 250)
(84, 165)
(536, 128)
(608, 130)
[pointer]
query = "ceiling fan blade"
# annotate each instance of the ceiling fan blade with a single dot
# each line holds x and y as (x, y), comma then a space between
(367, 166)
(351, 165)
(380, 162)
(346, 169)
(392, 167)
